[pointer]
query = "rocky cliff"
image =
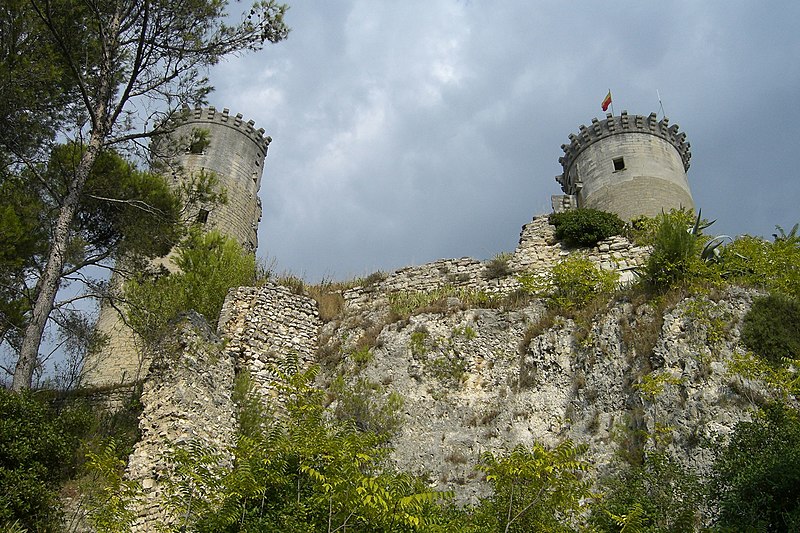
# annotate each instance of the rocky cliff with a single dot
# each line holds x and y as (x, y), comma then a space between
(476, 367)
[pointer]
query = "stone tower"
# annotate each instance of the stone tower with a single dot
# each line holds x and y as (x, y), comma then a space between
(205, 140)
(234, 151)
(630, 165)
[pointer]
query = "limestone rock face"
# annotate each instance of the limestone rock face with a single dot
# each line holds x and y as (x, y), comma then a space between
(478, 380)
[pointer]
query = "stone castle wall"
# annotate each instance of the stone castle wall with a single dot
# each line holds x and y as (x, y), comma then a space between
(514, 389)
(187, 400)
(266, 325)
(538, 251)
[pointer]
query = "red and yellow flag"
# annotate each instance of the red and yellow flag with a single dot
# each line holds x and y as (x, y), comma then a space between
(607, 100)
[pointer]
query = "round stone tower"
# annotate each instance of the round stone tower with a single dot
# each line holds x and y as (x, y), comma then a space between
(630, 165)
(203, 140)
(234, 151)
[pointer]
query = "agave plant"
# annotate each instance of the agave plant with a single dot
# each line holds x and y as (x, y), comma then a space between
(792, 236)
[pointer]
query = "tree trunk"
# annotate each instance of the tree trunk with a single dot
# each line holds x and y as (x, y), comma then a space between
(47, 287)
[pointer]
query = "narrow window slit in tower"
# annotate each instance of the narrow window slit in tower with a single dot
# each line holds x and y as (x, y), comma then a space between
(202, 216)
(619, 164)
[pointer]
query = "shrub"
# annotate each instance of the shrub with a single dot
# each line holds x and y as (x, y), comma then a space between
(37, 452)
(537, 488)
(642, 230)
(571, 283)
(585, 227)
(210, 265)
(774, 266)
(498, 267)
(771, 328)
(658, 495)
(676, 253)
(366, 405)
(757, 474)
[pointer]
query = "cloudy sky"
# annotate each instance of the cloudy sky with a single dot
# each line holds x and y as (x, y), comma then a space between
(405, 132)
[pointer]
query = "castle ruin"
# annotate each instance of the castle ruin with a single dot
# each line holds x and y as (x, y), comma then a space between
(630, 165)
(202, 140)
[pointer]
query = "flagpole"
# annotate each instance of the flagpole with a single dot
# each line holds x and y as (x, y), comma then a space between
(612, 102)
(663, 113)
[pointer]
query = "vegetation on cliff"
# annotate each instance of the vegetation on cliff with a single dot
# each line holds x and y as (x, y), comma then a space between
(301, 466)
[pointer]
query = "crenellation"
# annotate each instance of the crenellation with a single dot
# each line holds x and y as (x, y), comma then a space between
(654, 157)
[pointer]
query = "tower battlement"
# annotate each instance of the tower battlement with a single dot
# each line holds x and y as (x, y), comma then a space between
(615, 125)
(210, 115)
(630, 165)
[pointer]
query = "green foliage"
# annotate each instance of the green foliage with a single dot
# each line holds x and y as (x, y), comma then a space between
(22, 241)
(771, 328)
(297, 470)
(467, 332)
(773, 266)
(116, 60)
(406, 303)
(124, 212)
(707, 319)
(585, 227)
(199, 140)
(652, 385)
(123, 209)
(643, 230)
(676, 253)
(571, 283)
(417, 343)
(37, 88)
(209, 264)
(449, 367)
(367, 406)
(757, 473)
(108, 497)
(781, 379)
(658, 495)
(37, 452)
(536, 488)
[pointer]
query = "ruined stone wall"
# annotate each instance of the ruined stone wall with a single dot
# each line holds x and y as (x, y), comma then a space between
(538, 251)
(187, 399)
(266, 325)
(477, 381)
(187, 396)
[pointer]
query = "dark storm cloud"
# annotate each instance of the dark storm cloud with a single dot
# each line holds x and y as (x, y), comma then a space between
(406, 132)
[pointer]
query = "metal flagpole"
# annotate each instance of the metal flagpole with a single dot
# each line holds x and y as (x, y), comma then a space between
(663, 114)
(612, 103)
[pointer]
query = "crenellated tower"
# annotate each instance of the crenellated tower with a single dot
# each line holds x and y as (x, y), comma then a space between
(215, 142)
(630, 165)
(205, 140)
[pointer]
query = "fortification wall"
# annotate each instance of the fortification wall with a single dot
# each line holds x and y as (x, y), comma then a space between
(538, 251)
(266, 325)
(187, 399)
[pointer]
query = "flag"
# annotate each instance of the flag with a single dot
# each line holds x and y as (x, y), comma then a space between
(607, 100)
